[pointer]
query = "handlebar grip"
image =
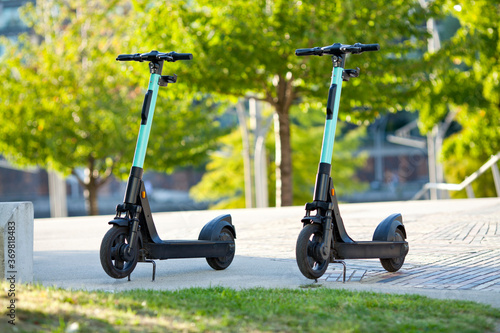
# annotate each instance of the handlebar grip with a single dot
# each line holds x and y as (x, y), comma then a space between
(306, 52)
(181, 56)
(126, 57)
(369, 47)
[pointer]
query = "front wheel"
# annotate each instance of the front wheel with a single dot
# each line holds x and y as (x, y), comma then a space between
(221, 263)
(307, 252)
(117, 260)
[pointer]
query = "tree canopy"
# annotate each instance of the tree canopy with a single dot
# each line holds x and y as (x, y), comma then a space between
(463, 77)
(68, 104)
(223, 183)
(248, 48)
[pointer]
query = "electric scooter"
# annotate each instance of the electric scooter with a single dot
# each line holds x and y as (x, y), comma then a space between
(323, 239)
(133, 237)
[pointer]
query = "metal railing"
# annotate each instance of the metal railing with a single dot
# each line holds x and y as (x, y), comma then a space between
(466, 184)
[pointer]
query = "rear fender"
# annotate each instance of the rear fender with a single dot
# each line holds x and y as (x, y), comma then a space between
(388, 227)
(212, 229)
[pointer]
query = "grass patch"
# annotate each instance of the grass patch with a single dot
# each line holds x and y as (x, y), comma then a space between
(42, 309)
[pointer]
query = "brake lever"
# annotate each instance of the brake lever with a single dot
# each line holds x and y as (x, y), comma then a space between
(165, 56)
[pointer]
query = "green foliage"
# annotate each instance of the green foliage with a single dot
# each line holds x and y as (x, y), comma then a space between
(223, 183)
(69, 104)
(457, 169)
(41, 309)
(64, 102)
(464, 77)
(249, 46)
(184, 131)
(306, 145)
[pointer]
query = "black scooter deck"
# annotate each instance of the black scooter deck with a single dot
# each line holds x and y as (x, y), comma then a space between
(370, 250)
(176, 249)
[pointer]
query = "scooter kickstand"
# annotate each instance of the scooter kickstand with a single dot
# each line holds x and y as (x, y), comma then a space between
(345, 268)
(154, 268)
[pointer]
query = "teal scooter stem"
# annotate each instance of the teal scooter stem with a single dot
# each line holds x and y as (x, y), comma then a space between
(333, 110)
(323, 239)
(145, 129)
(133, 237)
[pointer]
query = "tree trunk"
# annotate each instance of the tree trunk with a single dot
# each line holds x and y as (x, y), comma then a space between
(284, 179)
(284, 169)
(90, 193)
(91, 184)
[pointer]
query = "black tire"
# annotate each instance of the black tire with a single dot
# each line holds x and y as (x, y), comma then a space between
(115, 262)
(221, 263)
(394, 264)
(310, 265)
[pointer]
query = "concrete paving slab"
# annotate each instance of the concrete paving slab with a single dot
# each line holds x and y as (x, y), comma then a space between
(453, 244)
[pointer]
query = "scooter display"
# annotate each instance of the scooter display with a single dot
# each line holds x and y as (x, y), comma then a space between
(133, 237)
(323, 239)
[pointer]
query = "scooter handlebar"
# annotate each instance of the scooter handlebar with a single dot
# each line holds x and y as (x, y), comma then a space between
(338, 49)
(154, 56)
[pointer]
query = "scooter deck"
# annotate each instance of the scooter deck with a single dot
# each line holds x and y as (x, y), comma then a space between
(370, 250)
(176, 249)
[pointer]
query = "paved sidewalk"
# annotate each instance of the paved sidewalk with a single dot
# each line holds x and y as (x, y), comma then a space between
(454, 251)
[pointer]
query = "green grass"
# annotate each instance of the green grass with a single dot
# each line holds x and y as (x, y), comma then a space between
(42, 309)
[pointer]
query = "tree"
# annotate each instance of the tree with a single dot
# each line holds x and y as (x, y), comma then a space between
(247, 48)
(463, 78)
(308, 126)
(223, 183)
(68, 104)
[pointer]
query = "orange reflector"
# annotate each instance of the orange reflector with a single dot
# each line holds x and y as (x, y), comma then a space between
(143, 194)
(333, 192)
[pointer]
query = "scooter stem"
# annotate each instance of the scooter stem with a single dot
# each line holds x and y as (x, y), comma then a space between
(148, 109)
(332, 112)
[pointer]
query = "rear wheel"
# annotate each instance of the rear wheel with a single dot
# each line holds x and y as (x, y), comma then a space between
(117, 260)
(394, 264)
(220, 263)
(307, 252)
